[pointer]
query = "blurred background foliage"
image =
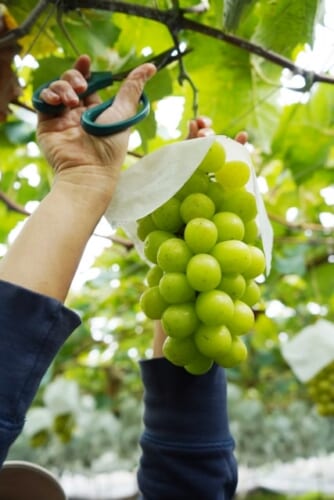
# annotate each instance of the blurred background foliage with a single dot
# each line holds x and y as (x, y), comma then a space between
(96, 416)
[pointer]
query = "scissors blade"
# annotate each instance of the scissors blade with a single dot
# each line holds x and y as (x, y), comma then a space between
(168, 56)
(160, 61)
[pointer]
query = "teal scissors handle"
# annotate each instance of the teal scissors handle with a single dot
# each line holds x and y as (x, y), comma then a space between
(98, 80)
(89, 116)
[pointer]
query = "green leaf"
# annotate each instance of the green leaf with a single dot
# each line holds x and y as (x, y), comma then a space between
(283, 25)
(304, 157)
(19, 132)
(92, 33)
(50, 68)
(323, 277)
(293, 261)
(138, 34)
(233, 12)
(265, 333)
(160, 86)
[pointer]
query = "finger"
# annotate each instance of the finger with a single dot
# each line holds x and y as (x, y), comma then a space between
(75, 79)
(205, 132)
(242, 137)
(192, 129)
(126, 101)
(204, 122)
(71, 83)
(82, 64)
(60, 91)
(199, 127)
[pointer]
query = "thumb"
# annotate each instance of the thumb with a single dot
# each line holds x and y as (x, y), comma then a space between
(126, 101)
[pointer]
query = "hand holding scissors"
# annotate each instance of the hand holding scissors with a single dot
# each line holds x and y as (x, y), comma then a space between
(81, 160)
(100, 80)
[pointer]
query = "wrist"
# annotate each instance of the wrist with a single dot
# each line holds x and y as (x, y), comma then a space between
(158, 340)
(90, 192)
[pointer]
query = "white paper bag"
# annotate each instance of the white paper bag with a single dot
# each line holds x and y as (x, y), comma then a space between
(158, 176)
(311, 350)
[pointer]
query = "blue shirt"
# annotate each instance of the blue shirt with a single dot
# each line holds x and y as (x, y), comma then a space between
(187, 449)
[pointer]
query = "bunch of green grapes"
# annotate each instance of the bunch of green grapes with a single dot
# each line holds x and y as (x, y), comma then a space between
(320, 390)
(202, 244)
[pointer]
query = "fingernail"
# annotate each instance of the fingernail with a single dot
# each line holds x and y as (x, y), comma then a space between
(71, 97)
(78, 84)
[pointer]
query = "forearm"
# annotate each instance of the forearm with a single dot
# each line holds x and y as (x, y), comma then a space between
(46, 253)
(158, 340)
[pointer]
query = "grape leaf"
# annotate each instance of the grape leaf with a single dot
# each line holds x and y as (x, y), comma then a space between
(310, 121)
(283, 25)
(232, 13)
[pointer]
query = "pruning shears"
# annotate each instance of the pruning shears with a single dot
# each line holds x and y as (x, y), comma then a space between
(99, 80)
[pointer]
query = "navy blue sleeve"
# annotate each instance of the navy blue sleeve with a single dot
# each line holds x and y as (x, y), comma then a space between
(187, 448)
(33, 327)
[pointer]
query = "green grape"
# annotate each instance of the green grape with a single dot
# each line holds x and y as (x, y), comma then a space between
(330, 408)
(237, 354)
(197, 183)
(203, 272)
(197, 205)
(229, 226)
(233, 256)
(325, 409)
(233, 174)
(214, 158)
(323, 385)
(154, 275)
(324, 397)
(216, 192)
(252, 293)
(213, 341)
(180, 320)
(320, 390)
(62, 421)
(40, 438)
(251, 232)
(180, 352)
(257, 263)
(145, 226)
(241, 202)
(64, 425)
(322, 410)
(200, 235)
(167, 217)
(152, 303)
(214, 307)
(173, 255)
(242, 320)
(175, 288)
(199, 365)
(311, 389)
(152, 243)
(233, 284)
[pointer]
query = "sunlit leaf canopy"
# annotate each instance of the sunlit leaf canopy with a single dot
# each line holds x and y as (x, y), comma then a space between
(245, 58)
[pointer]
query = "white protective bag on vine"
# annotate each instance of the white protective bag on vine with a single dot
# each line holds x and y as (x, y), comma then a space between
(156, 177)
